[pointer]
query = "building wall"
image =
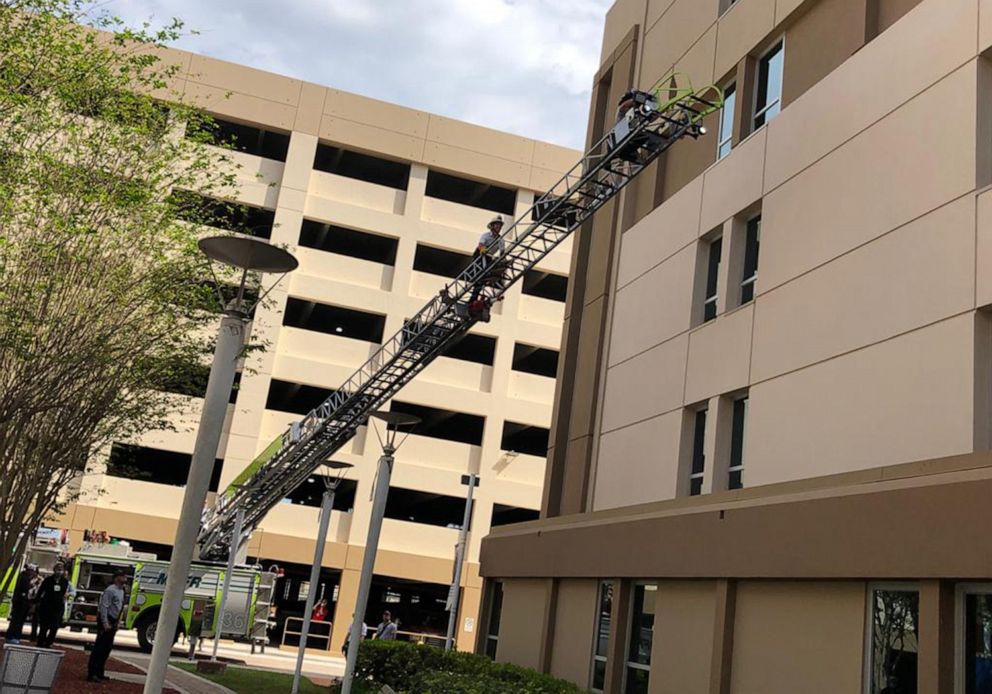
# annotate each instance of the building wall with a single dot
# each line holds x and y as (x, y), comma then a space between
(864, 353)
(294, 190)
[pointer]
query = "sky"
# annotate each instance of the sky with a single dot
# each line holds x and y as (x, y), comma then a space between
(521, 66)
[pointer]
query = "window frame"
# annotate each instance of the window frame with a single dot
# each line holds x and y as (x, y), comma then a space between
(489, 636)
(961, 592)
(597, 625)
(777, 46)
(749, 281)
(701, 475)
(737, 467)
(727, 117)
(708, 299)
(627, 664)
(869, 643)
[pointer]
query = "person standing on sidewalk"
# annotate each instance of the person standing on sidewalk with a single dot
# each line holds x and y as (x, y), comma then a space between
(20, 603)
(111, 606)
(51, 605)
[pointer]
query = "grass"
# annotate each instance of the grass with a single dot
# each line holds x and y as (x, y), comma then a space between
(246, 681)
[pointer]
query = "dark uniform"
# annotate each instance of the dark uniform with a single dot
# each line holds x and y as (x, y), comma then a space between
(51, 608)
(19, 604)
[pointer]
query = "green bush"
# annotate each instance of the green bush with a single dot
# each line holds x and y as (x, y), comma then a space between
(414, 669)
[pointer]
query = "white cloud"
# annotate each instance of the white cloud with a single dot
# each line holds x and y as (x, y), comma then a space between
(523, 66)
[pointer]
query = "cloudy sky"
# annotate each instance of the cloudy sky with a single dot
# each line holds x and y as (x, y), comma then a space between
(523, 66)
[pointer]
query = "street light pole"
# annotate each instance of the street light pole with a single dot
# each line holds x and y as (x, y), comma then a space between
(326, 506)
(247, 254)
(393, 420)
(454, 595)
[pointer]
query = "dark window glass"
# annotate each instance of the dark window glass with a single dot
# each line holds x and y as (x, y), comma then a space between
(495, 613)
(698, 453)
(229, 216)
(712, 278)
(505, 515)
(769, 95)
(247, 138)
(334, 320)
(726, 139)
(738, 422)
(752, 243)
(604, 615)
(477, 349)
(364, 167)
(895, 632)
(640, 639)
(488, 196)
(978, 643)
(535, 360)
(444, 424)
(546, 285)
(294, 397)
(311, 493)
(428, 508)
(155, 465)
(350, 242)
(524, 438)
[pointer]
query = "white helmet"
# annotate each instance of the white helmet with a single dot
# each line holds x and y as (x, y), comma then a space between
(498, 219)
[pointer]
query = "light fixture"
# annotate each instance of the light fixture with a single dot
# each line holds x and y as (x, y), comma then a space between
(339, 329)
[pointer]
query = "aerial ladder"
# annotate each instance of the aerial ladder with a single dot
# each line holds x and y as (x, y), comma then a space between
(649, 124)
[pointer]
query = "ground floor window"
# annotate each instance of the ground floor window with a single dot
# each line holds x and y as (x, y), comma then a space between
(601, 643)
(975, 644)
(894, 627)
(495, 610)
(638, 670)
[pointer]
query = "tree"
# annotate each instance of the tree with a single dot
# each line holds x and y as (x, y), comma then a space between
(101, 283)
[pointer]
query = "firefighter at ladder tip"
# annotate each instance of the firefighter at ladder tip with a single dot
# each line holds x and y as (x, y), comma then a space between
(490, 246)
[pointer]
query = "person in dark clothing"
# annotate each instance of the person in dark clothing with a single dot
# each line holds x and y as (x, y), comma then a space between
(108, 616)
(19, 604)
(51, 605)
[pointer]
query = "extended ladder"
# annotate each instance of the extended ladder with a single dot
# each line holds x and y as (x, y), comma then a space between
(670, 111)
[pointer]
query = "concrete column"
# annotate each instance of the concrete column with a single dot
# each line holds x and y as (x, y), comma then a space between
(469, 609)
(935, 673)
(723, 636)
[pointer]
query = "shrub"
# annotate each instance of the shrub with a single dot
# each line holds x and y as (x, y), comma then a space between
(414, 669)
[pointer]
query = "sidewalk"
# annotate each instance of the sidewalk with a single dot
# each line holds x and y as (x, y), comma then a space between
(183, 682)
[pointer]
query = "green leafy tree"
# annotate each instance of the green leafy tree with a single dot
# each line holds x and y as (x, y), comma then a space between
(101, 283)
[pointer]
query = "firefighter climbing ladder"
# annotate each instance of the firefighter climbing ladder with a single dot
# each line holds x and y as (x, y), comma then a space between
(671, 111)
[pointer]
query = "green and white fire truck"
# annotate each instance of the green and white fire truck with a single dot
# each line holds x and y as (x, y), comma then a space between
(246, 612)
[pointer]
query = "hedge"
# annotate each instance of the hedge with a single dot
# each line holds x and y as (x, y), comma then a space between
(415, 669)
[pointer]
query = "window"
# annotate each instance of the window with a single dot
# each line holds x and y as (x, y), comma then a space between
(546, 285)
(726, 140)
(524, 438)
(638, 670)
(752, 243)
(429, 508)
(495, 612)
(245, 138)
(712, 278)
(437, 261)
(363, 167)
(155, 465)
(738, 421)
(698, 453)
(350, 242)
(293, 397)
(726, 5)
(535, 360)
(505, 515)
(311, 492)
(769, 96)
(894, 629)
(601, 639)
(487, 196)
(975, 659)
(477, 349)
(444, 424)
(334, 320)
(230, 216)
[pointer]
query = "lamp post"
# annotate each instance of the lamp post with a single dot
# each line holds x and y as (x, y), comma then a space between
(326, 505)
(455, 592)
(247, 254)
(395, 423)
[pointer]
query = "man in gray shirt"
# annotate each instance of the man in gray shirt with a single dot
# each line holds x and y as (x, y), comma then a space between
(111, 607)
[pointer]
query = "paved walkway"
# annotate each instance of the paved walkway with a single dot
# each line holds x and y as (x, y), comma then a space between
(180, 680)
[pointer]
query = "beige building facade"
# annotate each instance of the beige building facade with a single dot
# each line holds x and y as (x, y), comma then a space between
(381, 205)
(769, 465)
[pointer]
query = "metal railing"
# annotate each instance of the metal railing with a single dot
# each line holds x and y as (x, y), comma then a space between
(320, 632)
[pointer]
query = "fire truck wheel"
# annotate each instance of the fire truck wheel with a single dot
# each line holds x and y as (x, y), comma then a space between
(147, 625)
